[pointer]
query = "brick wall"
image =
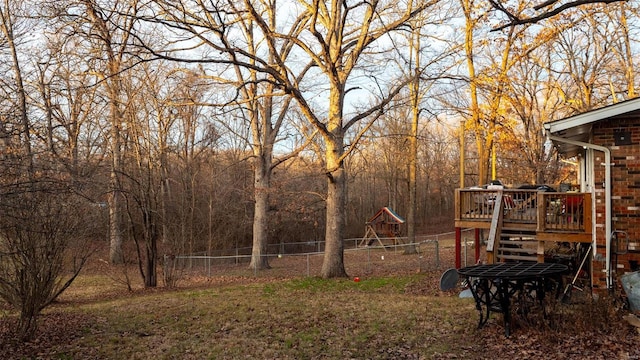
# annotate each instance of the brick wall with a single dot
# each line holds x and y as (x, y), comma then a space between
(625, 192)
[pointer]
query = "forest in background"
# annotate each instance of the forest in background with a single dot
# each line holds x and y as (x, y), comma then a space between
(185, 146)
(160, 120)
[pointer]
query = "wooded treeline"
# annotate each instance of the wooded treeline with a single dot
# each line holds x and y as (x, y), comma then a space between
(189, 127)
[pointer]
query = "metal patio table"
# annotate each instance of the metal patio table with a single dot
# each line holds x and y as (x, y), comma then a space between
(494, 285)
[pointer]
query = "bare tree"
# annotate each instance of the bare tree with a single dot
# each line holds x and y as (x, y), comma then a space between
(41, 218)
(257, 100)
(438, 164)
(623, 18)
(11, 30)
(533, 98)
(415, 96)
(488, 83)
(331, 45)
(391, 153)
(265, 108)
(471, 21)
(583, 53)
(141, 173)
(101, 30)
(74, 129)
(171, 146)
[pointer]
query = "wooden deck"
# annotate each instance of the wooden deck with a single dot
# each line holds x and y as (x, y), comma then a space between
(553, 216)
(546, 216)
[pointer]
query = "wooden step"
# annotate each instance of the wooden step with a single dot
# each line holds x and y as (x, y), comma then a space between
(518, 246)
(519, 250)
(517, 235)
(518, 242)
(531, 228)
(518, 257)
(518, 231)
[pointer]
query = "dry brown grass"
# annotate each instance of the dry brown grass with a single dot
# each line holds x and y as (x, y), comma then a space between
(394, 312)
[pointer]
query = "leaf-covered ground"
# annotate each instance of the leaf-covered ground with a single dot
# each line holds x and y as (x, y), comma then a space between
(396, 311)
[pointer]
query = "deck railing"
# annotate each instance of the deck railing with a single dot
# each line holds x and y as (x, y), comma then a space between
(542, 211)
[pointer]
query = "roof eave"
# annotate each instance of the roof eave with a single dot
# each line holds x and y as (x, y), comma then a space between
(589, 117)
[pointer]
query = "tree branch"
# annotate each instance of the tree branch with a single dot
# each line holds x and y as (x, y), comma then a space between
(515, 20)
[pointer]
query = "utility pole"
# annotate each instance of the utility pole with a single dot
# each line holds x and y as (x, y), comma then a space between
(462, 124)
(493, 160)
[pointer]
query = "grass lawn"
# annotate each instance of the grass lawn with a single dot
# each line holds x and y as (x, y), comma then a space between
(292, 319)
(397, 315)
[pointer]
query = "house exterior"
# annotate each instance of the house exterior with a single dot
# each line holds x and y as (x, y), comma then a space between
(606, 143)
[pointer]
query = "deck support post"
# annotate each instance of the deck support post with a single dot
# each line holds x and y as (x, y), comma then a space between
(458, 248)
(477, 244)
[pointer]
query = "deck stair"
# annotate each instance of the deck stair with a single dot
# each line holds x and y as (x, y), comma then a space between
(519, 246)
(505, 244)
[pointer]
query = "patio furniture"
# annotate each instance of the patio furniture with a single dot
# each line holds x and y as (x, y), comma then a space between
(494, 286)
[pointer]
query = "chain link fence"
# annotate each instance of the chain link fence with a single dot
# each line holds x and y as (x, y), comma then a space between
(383, 256)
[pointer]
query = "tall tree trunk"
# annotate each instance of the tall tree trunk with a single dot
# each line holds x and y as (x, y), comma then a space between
(262, 175)
(115, 197)
(151, 278)
(414, 91)
(483, 154)
(628, 53)
(411, 216)
(113, 86)
(333, 262)
(7, 27)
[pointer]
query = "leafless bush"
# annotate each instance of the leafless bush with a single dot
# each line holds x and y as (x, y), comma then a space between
(594, 314)
(590, 314)
(170, 271)
(37, 231)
